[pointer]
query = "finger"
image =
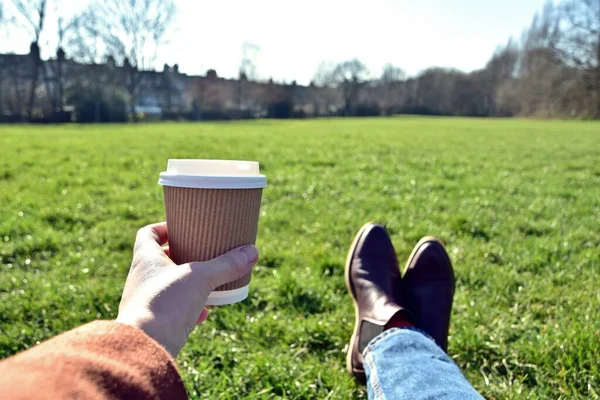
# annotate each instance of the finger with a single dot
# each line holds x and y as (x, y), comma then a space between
(203, 316)
(151, 237)
(158, 232)
(226, 268)
(166, 250)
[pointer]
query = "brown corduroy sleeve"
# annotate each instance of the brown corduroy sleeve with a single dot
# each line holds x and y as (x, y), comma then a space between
(99, 360)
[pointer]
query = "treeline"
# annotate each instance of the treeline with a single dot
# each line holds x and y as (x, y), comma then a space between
(553, 70)
(103, 59)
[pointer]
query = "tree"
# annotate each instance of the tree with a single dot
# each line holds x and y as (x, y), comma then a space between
(579, 42)
(247, 75)
(391, 87)
(543, 77)
(54, 72)
(6, 19)
(324, 74)
(131, 31)
(248, 62)
(31, 16)
(99, 77)
(434, 90)
(325, 95)
(392, 74)
(580, 33)
(500, 68)
(349, 76)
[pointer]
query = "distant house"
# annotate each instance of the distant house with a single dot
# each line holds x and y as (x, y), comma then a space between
(16, 73)
(159, 94)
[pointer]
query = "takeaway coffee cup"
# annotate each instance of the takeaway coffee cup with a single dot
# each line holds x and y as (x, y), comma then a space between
(212, 206)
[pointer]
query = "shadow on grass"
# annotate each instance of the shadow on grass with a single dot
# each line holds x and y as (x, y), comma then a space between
(304, 301)
(462, 226)
(331, 268)
(65, 221)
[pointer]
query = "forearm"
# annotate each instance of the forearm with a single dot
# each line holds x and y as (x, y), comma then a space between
(99, 360)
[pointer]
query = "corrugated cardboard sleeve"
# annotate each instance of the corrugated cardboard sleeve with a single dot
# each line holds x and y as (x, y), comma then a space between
(205, 223)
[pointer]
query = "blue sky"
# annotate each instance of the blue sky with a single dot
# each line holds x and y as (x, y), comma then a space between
(294, 37)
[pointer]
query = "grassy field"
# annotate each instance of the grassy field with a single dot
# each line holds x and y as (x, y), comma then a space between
(516, 202)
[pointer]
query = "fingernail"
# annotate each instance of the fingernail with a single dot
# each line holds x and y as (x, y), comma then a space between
(251, 252)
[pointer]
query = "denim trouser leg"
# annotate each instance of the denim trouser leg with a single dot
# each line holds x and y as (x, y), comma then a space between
(403, 363)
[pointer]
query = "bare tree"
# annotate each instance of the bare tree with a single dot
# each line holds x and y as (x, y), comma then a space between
(500, 68)
(350, 76)
(83, 41)
(325, 93)
(6, 17)
(392, 73)
(54, 75)
(324, 74)
(31, 16)
(391, 87)
(247, 75)
(85, 46)
(131, 31)
(579, 42)
(544, 78)
(580, 33)
(248, 63)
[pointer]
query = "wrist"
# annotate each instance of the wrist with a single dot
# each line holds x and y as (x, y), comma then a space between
(149, 324)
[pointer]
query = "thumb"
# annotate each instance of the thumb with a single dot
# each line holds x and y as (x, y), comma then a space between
(226, 268)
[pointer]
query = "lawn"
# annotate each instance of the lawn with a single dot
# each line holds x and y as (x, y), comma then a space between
(517, 203)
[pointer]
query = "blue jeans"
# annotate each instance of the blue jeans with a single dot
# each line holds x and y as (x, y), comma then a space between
(404, 363)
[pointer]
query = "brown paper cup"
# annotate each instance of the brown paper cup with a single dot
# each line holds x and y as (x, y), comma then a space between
(212, 207)
(205, 223)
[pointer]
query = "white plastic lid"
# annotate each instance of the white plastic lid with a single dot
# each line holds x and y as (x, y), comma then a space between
(213, 174)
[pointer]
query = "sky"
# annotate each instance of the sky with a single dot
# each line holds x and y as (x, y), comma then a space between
(294, 37)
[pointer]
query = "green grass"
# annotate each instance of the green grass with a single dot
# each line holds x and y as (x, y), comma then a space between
(516, 202)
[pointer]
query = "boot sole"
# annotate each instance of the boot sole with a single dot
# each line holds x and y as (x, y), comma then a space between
(358, 374)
